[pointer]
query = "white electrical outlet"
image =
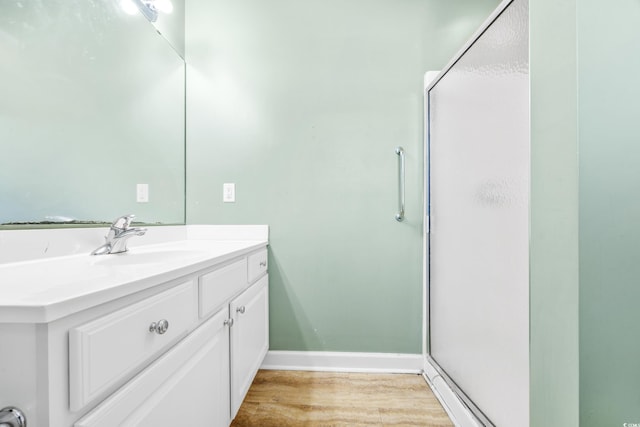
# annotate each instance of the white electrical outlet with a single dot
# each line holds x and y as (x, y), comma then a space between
(229, 192)
(142, 193)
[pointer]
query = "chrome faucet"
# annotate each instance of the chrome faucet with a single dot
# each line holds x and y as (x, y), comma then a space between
(119, 232)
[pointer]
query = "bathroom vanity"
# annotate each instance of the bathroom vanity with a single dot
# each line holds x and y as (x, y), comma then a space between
(165, 334)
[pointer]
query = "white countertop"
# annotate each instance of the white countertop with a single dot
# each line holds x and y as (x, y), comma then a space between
(44, 290)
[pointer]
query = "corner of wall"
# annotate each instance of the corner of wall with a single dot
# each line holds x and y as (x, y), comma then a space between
(554, 281)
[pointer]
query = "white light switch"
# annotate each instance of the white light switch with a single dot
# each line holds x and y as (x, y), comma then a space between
(142, 193)
(228, 192)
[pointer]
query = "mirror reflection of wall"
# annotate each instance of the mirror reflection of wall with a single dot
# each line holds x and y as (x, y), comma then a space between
(92, 104)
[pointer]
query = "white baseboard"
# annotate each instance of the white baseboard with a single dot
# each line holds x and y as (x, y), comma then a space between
(343, 362)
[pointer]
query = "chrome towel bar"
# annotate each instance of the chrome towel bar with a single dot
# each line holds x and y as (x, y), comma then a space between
(400, 214)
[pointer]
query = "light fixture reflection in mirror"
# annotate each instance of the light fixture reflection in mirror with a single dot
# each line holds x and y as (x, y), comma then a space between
(149, 8)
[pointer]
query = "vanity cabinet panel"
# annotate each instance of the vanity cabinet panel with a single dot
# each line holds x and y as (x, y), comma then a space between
(249, 338)
(188, 385)
(103, 365)
(218, 286)
(104, 350)
(257, 265)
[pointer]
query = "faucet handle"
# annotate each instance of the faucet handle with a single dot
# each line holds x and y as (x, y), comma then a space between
(123, 222)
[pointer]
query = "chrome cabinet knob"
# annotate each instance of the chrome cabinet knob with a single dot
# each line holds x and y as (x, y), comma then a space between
(241, 309)
(229, 322)
(159, 327)
(12, 417)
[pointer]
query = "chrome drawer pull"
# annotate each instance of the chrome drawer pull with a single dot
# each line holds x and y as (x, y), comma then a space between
(263, 263)
(241, 309)
(159, 327)
(229, 322)
(12, 417)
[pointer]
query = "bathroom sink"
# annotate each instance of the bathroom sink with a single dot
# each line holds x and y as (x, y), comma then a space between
(146, 257)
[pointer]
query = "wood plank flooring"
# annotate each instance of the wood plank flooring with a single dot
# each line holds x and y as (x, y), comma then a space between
(329, 399)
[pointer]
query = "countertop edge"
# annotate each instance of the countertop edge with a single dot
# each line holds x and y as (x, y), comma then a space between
(46, 313)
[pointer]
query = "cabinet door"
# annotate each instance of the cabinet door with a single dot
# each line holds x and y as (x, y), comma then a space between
(189, 385)
(249, 338)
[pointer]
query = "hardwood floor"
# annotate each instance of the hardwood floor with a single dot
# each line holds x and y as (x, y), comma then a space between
(329, 399)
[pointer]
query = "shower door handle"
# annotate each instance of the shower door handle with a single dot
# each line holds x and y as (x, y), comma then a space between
(400, 214)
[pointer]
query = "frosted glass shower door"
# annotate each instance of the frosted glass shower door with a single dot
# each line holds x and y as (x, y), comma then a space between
(479, 187)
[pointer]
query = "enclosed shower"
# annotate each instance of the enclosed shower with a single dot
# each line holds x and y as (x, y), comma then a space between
(477, 216)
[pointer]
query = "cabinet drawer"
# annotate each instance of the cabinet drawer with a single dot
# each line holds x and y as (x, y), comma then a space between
(257, 265)
(217, 287)
(105, 350)
(188, 385)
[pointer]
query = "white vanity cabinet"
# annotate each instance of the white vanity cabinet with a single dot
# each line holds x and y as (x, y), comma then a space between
(178, 352)
(204, 378)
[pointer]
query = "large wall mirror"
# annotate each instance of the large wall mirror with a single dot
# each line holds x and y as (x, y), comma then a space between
(92, 104)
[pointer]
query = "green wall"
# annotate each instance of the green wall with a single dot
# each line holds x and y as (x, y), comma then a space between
(302, 104)
(609, 90)
(554, 283)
